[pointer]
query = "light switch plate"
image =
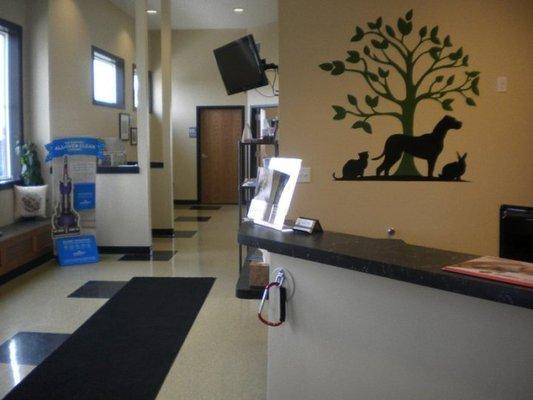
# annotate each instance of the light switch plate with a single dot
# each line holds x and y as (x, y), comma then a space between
(305, 175)
(501, 84)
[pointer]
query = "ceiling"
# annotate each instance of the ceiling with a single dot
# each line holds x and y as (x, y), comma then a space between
(210, 14)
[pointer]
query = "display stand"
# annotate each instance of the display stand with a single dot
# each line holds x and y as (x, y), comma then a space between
(247, 183)
(74, 198)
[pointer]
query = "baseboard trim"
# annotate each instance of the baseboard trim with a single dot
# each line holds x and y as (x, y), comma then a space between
(163, 233)
(25, 268)
(125, 249)
(185, 202)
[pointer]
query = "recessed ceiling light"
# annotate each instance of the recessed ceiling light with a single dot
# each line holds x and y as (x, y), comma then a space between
(151, 11)
(238, 10)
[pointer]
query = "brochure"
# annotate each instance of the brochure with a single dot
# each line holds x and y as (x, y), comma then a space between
(276, 182)
(497, 269)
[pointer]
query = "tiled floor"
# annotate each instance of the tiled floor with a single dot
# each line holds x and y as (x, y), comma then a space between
(224, 355)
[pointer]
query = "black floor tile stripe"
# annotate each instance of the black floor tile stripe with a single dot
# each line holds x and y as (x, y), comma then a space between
(200, 207)
(98, 289)
(30, 348)
(192, 219)
(157, 255)
(124, 351)
(184, 234)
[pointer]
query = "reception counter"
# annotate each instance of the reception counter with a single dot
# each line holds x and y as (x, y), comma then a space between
(379, 319)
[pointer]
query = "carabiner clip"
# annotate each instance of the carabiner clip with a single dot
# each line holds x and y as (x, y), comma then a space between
(280, 278)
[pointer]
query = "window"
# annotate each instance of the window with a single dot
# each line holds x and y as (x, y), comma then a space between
(108, 79)
(135, 86)
(10, 99)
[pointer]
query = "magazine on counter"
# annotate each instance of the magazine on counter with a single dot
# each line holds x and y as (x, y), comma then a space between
(496, 269)
(276, 181)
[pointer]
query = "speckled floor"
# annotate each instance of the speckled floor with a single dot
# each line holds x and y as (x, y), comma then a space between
(224, 355)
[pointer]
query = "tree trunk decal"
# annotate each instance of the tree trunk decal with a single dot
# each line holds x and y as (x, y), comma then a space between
(429, 68)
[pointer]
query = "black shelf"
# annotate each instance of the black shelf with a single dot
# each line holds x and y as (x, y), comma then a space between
(243, 289)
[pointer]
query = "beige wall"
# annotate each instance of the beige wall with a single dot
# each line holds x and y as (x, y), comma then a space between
(268, 38)
(76, 25)
(496, 134)
(15, 11)
(195, 82)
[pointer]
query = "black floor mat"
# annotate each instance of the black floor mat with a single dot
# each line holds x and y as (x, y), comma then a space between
(125, 350)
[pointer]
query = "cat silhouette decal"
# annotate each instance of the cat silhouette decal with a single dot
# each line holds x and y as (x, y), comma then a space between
(354, 169)
(453, 171)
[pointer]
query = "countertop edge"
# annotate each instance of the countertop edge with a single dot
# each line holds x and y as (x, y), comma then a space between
(447, 281)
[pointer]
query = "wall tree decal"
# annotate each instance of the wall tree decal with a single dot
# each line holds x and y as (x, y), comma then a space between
(425, 63)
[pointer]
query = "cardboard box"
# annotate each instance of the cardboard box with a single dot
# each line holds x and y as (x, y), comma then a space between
(259, 274)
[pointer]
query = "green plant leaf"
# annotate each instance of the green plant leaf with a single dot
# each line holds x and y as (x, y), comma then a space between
(362, 125)
(450, 80)
(359, 34)
(470, 101)
(434, 52)
(372, 102)
(352, 99)
(390, 31)
(472, 74)
(353, 57)
(435, 31)
(465, 61)
(423, 32)
(447, 104)
(372, 76)
(366, 50)
(326, 66)
(475, 86)
(338, 68)
(383, 73)
(435, 40)
(380, 45)
(340, 113)
(447, 41)
(409, 15)
(372, 25)
(404, 27)
(439, 78)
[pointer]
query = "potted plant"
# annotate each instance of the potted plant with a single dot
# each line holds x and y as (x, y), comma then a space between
(30, 196)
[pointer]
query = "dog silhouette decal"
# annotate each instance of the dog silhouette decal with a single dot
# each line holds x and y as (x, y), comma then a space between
(354, 169)
(427, 147)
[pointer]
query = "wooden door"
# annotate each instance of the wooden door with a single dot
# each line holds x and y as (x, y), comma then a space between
(220, 130)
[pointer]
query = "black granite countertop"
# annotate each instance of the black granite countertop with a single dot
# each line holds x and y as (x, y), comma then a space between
(390, 258)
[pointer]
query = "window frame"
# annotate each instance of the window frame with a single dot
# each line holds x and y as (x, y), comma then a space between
(16, 99)
(120, 75)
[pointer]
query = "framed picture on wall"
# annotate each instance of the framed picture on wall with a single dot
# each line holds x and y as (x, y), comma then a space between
(133, 136)
(124, 122)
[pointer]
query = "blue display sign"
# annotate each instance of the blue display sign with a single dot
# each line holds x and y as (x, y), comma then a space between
(84, 196)
(77, 250)
(75, 146)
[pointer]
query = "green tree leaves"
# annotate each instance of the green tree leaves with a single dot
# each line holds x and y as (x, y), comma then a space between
(434, 52)
(353, 57)
(359, 34)
(404, 27)
(352, 100)
(470, 101)
(340, 113)
(362, 125)
(383, 73)
(372, 102)
(447, 104)
(423, 32)
(434, 35)
(336, 67)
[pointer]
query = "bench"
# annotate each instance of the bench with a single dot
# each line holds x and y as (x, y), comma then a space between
(23, 245)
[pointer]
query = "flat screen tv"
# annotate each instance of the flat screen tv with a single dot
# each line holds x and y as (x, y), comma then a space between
(240, 65)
